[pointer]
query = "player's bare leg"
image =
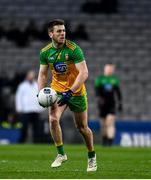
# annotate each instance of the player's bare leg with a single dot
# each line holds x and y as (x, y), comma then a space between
(82, 125)
(55, 113)
(110, 128)
(103, 131)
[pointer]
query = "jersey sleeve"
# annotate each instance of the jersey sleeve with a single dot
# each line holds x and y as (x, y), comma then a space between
(78, 55)
(43, 59)
(96, 88)
(117, 81)
(98, 81)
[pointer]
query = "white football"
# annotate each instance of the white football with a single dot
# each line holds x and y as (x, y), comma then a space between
(47, 96)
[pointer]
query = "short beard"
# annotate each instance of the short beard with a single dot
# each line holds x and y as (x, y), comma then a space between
(57, 44)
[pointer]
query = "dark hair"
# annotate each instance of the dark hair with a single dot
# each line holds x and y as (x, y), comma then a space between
(55, 22)
(109, 63)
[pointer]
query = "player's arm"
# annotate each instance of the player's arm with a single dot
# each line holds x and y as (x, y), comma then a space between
(99, 95)
(119, 98)
(99, 91)
(118, 93)
(82, 75)
(18, 99)
(98, 86)
(42, 76)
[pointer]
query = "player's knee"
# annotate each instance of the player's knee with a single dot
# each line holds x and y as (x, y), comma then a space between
(111, 131)
(82, 129)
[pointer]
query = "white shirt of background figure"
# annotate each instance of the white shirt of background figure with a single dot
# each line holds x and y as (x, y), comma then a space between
(26, 100)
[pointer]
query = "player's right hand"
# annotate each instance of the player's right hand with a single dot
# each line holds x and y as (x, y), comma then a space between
(120, 107)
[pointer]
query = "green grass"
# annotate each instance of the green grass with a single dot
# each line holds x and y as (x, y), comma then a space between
(33, 161)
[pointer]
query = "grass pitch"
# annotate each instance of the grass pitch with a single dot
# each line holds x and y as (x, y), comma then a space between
(33, 161)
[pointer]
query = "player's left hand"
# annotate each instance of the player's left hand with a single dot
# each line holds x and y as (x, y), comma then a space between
(65, 98)
(120, 107)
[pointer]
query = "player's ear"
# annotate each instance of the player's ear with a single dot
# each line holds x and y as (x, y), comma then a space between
(50, 34)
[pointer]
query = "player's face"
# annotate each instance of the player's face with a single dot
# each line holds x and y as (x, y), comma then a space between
(58, 34)
(109, 69)
(30, 76)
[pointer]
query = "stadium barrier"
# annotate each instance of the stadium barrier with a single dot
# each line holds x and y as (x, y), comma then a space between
(9, 135)
(128, 132)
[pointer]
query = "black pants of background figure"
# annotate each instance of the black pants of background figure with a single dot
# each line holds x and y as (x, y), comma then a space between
(26, 120)
(106, 109)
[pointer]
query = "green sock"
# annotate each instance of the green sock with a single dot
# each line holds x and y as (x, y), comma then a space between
(91, 154)
(60, 149)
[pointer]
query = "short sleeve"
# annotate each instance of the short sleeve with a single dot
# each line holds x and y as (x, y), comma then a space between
(98, 81)
(117, 81)
(43, 59)
(78, 55)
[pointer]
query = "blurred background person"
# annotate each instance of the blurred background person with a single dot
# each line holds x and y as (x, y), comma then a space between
(100, 6)
(109, 99)
(81, 33)
(27, 106)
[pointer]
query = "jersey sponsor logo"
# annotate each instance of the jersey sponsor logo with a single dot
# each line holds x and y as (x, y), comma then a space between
(60, 67)
(108, 87)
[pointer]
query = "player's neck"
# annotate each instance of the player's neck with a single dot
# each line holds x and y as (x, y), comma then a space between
(57, 45)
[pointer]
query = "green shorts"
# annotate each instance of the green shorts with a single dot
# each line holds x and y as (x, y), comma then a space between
(78, 103)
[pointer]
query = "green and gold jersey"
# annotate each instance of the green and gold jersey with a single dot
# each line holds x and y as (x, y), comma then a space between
(62, 64)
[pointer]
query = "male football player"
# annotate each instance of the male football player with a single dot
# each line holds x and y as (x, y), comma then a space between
(69, 71)
(107, 87)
